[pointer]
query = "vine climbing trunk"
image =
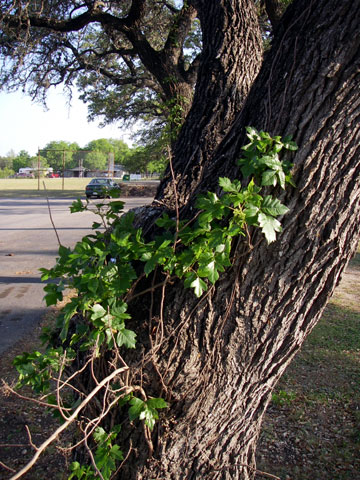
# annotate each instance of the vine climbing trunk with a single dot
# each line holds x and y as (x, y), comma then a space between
(220, 357)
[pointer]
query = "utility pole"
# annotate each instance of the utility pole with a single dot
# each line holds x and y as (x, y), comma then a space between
(38, 169)
(63, 175)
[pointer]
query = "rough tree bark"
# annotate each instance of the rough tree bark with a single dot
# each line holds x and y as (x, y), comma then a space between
(230, 61)
(220, 357)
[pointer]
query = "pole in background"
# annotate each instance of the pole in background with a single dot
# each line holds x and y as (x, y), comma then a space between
(111, 164)
(38, 169)
(63, 175)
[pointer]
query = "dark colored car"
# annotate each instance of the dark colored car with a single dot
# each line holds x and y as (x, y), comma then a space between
(100, 187)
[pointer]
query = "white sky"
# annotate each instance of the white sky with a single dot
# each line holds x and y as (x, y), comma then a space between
(26, 126)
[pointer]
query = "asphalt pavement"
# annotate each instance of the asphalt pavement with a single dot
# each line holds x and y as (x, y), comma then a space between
(28, 241)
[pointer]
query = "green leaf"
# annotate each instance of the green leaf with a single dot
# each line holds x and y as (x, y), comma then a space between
(150, 265)
(269, 177)
(127, 338)
(96, 225)
(54, 293)
(165, 222)
(137, 406)
(149, 415)
(156, 403)
(208, 270)
(269, 225)
(99, 435)
(93, 284)
(98, 312)
(199, 286)
(227, 185)
(289, 144)
(116, 206)
(273, 206)
(116, 453)
(77, 206)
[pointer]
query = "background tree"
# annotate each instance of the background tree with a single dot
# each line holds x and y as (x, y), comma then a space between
(7, 162)
(53, 152)
(102, 147)
(95, 160)
(137, 161)
(221, 355)
(22, 159)
(121, 150)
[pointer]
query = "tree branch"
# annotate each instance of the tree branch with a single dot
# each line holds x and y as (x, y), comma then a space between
(66, 424)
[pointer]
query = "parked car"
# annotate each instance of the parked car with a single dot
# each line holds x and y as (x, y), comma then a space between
(100, 187)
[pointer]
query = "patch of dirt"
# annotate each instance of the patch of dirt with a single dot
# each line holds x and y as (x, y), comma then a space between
(129, 190)
(16, 415)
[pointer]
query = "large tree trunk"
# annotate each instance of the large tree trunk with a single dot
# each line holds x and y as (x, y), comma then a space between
(221, 356)
(230, 61)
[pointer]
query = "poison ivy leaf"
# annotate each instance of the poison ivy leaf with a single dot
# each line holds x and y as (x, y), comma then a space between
(269, 225)
(273, 206)
(199, 286)
(227, 185)
(165, 222)
(156, 403)
(127, 338)
(289, 144)
(137, 405)
(269, 177)
(209, 271)
(98, 311)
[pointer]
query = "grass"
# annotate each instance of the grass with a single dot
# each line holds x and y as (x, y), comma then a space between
(31, 187)
(312, 427)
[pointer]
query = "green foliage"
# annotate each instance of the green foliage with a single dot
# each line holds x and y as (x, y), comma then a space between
(23, 159)
(53, 152)
(146, 410)
(6, 172)
(104, 265)
(261, 158)
(106, 456)
(282, 398)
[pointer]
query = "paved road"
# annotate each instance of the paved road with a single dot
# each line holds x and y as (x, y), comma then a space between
(28, 242)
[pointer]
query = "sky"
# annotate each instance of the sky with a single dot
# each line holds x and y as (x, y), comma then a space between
(25, 125)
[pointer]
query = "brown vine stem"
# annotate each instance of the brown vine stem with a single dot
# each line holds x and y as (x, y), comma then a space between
(7, 388)
(175, 194)
(66, 424)
(6, 467)
(51, 219)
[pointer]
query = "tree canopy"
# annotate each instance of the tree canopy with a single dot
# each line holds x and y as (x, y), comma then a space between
(135, 60)
(130, 59)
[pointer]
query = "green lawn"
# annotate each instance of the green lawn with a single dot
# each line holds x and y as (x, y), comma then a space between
(29, 187)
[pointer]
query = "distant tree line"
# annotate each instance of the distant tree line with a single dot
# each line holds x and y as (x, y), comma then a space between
(93, 156)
